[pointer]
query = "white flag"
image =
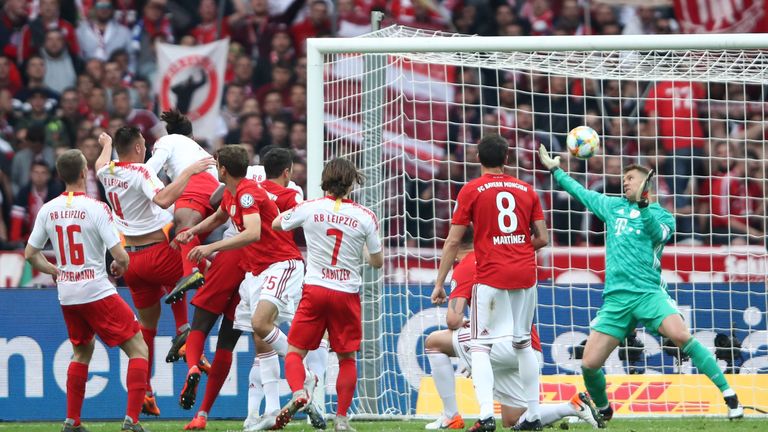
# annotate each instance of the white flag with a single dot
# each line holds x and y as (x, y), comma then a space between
(192, 80)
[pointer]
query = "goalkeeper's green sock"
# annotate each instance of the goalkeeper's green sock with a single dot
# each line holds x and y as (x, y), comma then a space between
(594, 380)
(705, 362)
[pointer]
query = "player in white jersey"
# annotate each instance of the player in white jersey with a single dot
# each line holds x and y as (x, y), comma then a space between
(81, 230)
(338, 231)
(174, 153)
(139, 200)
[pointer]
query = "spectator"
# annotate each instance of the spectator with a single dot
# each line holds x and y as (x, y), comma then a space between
(100, 36)
(205, 32)
(7, 119)
(97, 108)
(539, 14)
(68, 118)
(33, 150)
(61, 68)
(91, 150)
(503, 16)
(34, 35)
(281, 83)
(272, 108)
(84, 86)
(153, 26)
(642, 21)
(242, 73)
(300, 71)
(297, 140)
(42, 187)
(233, 105)
(251, 132)
(299, 174)
(149, 125)
(95, 69)
(351, 19)
(257, 29)
(12, 20)
(37, 115)
(5, 211)
(278, 132)
(35, 72)
(113, 82)
(557, 111)
(10, 78)
(316, 24)
(298, 103)
(570, 18)
(282, 54)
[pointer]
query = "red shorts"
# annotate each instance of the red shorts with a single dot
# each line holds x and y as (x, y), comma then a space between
(219, 295)
(322, 308)
(110, 318)
(197, 194)
(151, 272)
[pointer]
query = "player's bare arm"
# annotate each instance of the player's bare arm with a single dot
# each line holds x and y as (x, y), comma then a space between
(173, 191)
(106, 151)
(454, 318)
(450, 250)
(251, 233)
(277, 222)
(209, 224)
(39, 262)
(120, 264)
(376, 260)
(540, 234)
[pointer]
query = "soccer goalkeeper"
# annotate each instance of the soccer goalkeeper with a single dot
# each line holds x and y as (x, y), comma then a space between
(636, 231)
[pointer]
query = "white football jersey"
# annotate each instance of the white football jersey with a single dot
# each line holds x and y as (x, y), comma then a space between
(257, 174)
(175, 153)
(81, 230)
(130, 189)
(336, 231)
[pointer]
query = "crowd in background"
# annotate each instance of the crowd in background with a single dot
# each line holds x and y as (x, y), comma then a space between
(70, 69)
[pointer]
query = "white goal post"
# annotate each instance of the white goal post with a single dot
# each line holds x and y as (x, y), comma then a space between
(408, 105)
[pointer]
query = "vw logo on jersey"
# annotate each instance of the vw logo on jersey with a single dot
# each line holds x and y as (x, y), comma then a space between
(246, 200)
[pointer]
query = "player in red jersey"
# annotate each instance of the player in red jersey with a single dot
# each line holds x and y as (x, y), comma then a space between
(138, 200)
(508, 389)
(81, 230)
(338, 231)
(175, 152)
(505, 285)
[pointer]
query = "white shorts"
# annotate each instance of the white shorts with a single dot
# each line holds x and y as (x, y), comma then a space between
(499, 315)
(280, 284)
(507, 386)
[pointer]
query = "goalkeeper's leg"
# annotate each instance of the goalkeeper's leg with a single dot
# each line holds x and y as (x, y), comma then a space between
(674, 328)
(599, 346)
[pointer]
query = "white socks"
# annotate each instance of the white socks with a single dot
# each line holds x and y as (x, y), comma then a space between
(482, 377)
(445, 381)
(278, 340)
(255, 390)
(270, 380)
(551, 413)
(528, 368)
(317, 362)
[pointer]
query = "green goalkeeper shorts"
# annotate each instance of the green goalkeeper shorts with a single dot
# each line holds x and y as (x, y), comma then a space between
(620, 314)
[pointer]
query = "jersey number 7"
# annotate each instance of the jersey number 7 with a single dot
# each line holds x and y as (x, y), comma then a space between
(337, 245)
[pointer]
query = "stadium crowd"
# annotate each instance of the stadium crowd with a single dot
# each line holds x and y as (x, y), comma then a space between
(71, 69)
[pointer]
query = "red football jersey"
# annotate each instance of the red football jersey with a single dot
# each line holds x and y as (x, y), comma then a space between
(250, 198)
(501, 209)
(285, 198)
(463, 278)
(675, 104)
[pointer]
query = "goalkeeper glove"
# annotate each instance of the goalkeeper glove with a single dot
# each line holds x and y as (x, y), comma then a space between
(551, 163)
(641, 196)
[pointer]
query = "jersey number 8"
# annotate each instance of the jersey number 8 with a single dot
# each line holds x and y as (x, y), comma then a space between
(505, 203)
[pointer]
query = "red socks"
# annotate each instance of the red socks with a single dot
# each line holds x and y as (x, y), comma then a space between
(294, 371)
(180, 311)
(149, 338)
(186, 264)
(136, 381)
(77, 375)
(222, 362)
(195, 344)
(345, 385)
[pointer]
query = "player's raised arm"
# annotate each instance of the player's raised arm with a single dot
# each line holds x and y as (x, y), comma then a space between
(251, 233)
(106, 151)
(209, 224)
(597, 203)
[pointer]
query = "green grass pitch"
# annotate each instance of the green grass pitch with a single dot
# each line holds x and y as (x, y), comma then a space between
(617, 425)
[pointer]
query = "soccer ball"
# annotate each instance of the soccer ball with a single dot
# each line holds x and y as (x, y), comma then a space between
(583, 142)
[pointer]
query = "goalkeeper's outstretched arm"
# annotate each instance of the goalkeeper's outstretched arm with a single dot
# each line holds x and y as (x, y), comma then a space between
(597, 203)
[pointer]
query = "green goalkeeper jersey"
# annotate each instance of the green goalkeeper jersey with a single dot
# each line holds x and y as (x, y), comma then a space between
(634, 238)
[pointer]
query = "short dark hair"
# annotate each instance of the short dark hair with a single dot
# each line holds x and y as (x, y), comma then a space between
(338, 176)
(631, 167)
(247, 116)
(36, 133)
(492, 151)
(125, 138)
(120, 91)
(69, 165)
(40, 164)
(176, 122)
(234, 158)
(276, 161)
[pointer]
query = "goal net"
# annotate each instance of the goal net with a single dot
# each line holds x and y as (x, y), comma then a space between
(408, 106)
